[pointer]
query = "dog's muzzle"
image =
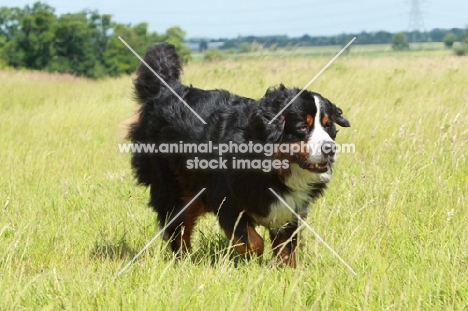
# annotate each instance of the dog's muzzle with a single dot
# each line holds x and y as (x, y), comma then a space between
(328, 149)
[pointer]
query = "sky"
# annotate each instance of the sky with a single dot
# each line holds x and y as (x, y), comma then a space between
(229, 19)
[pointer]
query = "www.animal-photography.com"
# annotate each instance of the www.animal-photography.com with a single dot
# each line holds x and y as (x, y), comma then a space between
(308, 155)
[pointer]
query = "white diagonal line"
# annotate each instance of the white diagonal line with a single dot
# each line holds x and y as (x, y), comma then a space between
(159, 233)
(313, 232)
(162, 80)
(313, 79)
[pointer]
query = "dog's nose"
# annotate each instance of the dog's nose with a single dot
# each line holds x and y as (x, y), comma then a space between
(328, 148)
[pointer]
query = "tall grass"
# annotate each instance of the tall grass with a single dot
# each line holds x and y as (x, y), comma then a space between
(71, 215)
(360, 50)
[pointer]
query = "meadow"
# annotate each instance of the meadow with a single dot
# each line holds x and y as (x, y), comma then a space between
(71, 215)
(364, 50)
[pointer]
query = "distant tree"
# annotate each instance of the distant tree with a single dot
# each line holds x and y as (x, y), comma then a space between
(9, 27)
(118, 58)
(449, 39)
(212, 55)
(203, 46)
(244, 47)
(305, 40)
(101, 26)
(175, 35)
(462, 48)
(345, 40)
(33, 41)
(228, 44)
(381, 37)
(84, 43)
(77, 46)
(400, 41)
(9, 22)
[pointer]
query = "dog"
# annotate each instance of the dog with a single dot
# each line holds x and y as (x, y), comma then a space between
(240, 198)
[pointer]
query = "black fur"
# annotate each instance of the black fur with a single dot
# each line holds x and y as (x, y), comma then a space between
(163, 118)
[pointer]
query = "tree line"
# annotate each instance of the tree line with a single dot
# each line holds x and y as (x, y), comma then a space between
(435, 35)
(84, 43)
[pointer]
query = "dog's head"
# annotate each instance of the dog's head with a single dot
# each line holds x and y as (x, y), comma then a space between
(309, 124)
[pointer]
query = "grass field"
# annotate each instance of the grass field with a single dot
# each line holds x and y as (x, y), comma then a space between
(367, 50)
(71, 216)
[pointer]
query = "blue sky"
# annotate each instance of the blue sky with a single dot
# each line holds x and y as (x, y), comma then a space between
(227, 19)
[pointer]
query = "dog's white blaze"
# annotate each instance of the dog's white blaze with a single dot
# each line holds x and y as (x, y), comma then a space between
(319, 136)
(300, 184)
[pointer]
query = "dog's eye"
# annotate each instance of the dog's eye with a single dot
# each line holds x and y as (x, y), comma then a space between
(303, 129)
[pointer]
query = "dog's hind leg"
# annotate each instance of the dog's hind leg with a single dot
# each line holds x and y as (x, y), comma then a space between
(180, 231)
(167, 199)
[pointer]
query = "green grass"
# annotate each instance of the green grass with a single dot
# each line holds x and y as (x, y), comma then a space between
(367, 50)
(71, 216)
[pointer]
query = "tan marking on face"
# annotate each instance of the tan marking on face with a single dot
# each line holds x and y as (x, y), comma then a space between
(324, 119)
(309, 119)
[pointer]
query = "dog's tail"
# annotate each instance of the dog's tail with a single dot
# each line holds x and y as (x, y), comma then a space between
(163, 59)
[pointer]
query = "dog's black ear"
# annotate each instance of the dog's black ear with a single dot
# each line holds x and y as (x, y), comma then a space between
(272, 103)
(339, 119)
(275, 130)
(275, 99)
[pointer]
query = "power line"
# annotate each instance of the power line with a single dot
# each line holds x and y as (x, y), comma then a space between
(416, 22)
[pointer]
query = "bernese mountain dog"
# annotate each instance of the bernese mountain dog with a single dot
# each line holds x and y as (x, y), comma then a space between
(239, 197)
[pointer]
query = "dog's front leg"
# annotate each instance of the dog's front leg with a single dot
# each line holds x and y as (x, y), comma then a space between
(240, 231)
(284, 242)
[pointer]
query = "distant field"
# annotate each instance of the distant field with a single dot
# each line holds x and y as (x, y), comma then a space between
(368, 50)
(71, 216)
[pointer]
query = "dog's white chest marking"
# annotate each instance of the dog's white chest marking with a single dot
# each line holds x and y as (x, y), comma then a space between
(300, 182)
